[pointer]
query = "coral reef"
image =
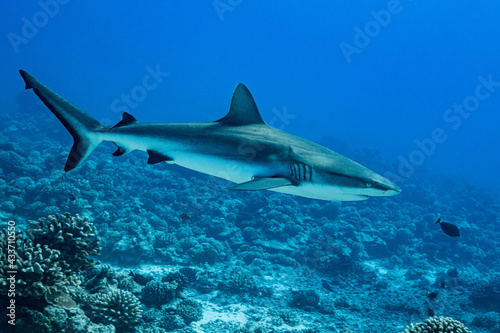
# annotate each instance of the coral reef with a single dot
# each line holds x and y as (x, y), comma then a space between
(74, 236)
(178, 279)
(157, 293)
(117, 307)
(306, 299)
(190, 311)
(160, 321)
(489, 320)
(282, 316)
(485, 294)
(52, 254)
(437, 325)
(41, 270)
(186, 239)
(241, 281)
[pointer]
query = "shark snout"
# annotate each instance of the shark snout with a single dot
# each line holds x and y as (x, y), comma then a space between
(390, 193)
(385, 188)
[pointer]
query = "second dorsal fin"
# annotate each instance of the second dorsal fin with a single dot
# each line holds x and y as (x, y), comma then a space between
(127, 119)
(243, 109)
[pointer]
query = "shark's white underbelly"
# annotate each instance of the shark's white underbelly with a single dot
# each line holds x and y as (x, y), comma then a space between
(236, 171)
(239, 171)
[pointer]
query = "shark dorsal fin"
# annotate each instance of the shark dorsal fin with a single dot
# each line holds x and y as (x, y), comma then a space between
(243, 109)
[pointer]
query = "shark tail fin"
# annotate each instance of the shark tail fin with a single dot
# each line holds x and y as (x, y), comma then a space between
(84, 129)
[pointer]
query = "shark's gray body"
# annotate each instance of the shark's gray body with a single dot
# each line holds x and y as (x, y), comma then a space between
(240, 147)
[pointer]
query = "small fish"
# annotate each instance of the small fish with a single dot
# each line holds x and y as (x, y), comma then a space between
(443, 285)
(72, 198)
(430, 312)
(432, 295)
(448, 228)
(185, 216)
(140, 279)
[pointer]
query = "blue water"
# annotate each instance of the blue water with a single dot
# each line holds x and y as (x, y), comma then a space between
(393, 90)
(414, 83)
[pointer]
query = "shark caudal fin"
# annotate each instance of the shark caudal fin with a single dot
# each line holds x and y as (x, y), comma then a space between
(83, 128)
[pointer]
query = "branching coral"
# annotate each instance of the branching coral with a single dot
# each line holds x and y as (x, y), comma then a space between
(48, 260)
(117, 307)
(158, 321)
(283, 316)
(180, 279)
(190, 311)
(437, 325)
(241, 281)
(204, 249)
(40, 269)
(75, 237)
(190, 273)
(157, 293)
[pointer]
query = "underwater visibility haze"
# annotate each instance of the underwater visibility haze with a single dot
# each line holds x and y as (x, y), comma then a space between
(395, 101)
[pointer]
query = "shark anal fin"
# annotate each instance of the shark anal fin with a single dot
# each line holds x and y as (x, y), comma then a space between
(119, 152)
(259, 183)
(156, 157)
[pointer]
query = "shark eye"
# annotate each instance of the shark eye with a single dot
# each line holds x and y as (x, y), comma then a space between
(369, 184)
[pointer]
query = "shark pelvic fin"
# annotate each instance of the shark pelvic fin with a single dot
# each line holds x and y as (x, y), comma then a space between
(243, 110)
(156, 157)
(258, 183)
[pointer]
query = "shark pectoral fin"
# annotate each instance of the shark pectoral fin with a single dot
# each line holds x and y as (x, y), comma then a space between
(258, 183)
(156, 157)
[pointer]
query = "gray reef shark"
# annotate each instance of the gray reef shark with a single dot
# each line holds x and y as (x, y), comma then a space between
(239, 147)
